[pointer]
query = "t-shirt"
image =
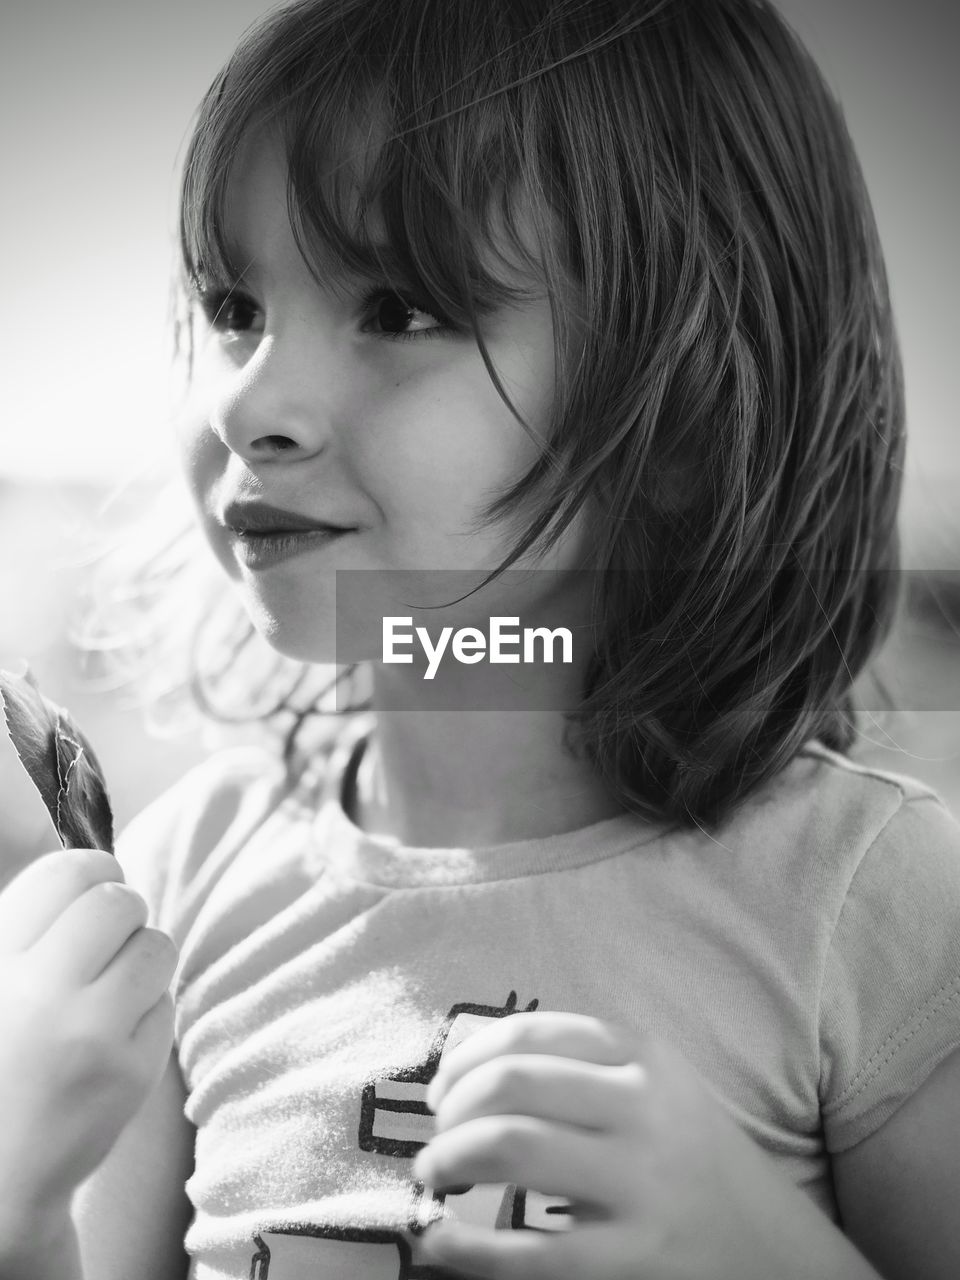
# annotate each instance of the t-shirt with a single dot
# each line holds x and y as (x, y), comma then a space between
(805, 957)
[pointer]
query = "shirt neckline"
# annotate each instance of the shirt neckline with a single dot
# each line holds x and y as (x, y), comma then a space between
(343, 847)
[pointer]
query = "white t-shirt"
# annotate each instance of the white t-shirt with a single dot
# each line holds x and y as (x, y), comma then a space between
(805, 958)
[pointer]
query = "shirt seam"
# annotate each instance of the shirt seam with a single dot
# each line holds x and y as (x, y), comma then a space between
(527, 874)
(895, 1041)
(826, 755)
(836, 924)
(905, 799)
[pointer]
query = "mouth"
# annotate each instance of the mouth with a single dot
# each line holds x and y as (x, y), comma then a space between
(259, 520)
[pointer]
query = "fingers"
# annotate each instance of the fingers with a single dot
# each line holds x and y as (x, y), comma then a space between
(135, 980)
(554, 1159)
(562, 1035)
(36, 897)
(566, 1090)
(153, 1038)
(89, 933)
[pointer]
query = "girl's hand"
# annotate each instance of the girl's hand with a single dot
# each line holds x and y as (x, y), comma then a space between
(87, 1027)
(662, 1182)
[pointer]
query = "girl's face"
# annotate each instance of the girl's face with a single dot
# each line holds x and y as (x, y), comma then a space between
(358, 411)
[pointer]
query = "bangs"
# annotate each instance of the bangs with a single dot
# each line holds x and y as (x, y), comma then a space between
(678, 180)
(390, 175)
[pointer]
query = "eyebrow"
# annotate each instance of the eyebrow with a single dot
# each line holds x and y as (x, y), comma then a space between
(339, 277)
(379, 259)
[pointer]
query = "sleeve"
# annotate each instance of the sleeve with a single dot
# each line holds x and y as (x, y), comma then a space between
(890, 1000)
(169, 851)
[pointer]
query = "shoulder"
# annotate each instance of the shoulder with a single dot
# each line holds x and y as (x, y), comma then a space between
(831, 818)
(889, 1005)
(164, 846)
(844, 780)
(174, 849)
(899, 835)
(852, 795)
(210, 795)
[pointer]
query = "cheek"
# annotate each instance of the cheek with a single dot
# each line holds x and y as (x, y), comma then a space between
(203, 457)
(447, 442)
(201, 452)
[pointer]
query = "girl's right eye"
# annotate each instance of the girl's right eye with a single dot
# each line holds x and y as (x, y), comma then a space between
(229, 312)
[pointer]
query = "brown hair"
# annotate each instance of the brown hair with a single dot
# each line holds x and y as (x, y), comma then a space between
(734, 402)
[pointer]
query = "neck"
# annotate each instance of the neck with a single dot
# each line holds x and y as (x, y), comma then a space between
(434, 779)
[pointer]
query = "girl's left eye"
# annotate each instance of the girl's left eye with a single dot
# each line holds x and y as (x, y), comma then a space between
(229, 311)
(394, 312)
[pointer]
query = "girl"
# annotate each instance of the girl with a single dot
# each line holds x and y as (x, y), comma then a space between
(564, 310)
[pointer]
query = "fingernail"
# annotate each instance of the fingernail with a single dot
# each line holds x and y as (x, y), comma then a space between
(421, 1165)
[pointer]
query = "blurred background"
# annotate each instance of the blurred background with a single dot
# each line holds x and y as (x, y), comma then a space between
(96, 101)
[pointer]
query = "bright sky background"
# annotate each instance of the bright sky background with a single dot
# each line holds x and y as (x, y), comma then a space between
(96, 98)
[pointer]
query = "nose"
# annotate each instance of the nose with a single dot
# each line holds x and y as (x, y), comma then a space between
(276, 407)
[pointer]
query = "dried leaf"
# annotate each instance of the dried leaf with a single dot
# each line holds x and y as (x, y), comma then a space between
(60, 762)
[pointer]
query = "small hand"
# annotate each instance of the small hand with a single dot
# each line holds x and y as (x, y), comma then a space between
(87, 1027)
(662, 1182)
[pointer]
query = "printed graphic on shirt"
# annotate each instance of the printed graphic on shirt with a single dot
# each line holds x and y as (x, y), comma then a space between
(395, 1121)
(318, 1253)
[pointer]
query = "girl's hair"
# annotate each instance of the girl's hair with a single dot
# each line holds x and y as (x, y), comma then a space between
(729, 392)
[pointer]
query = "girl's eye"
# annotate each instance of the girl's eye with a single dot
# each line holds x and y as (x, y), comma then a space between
(391, 314)
(229, 312)
(396, 315)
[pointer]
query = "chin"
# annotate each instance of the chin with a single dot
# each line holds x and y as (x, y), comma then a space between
(309, 636)
(295, 642)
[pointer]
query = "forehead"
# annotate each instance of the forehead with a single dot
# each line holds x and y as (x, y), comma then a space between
(257, 224)
(256, 217)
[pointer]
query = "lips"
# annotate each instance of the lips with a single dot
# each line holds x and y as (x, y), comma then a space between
(260, 519)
